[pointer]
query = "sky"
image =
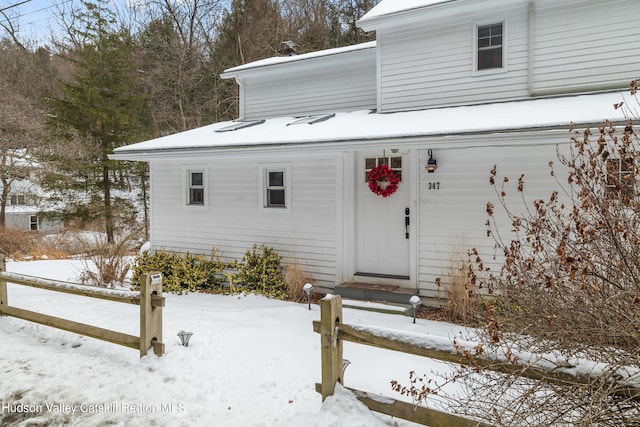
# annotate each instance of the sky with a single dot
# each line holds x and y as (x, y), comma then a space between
(35, 19)
(32, 18)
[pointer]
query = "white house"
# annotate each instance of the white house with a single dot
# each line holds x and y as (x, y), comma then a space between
(464, 84)
(25, 202)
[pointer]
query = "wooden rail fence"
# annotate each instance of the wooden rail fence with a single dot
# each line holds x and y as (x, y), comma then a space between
(333, 331)
(149, 299)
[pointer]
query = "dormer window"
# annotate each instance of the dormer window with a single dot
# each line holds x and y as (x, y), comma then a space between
(489, 43)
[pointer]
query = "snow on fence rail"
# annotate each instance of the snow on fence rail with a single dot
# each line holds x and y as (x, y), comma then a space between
(149, 299)
(332, 332)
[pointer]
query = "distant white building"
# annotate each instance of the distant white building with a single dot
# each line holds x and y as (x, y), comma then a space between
(450, 88)
(24, 209)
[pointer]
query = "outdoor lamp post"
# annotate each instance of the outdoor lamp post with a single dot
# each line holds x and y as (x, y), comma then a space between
(415, 302)
(307, 290)
(184, 337)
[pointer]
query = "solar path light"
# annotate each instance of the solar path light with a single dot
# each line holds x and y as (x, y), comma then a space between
(307, 290)
(415, 302)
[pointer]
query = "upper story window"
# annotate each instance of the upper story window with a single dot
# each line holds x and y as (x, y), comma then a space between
(489, 45)
(276, 186)
(195, 187)
(18, 200)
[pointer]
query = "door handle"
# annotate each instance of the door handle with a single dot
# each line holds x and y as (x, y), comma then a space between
(406, 223)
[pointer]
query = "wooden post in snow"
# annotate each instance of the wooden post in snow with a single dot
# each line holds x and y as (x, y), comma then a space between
(3, 286)
(151, 302)
(331, 346)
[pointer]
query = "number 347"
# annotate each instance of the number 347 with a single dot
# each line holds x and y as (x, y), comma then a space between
(434, 186)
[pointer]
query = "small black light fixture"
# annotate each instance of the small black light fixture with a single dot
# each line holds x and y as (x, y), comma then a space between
(184, 337)
(432, 164)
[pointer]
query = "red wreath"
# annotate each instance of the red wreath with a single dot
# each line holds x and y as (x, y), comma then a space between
(381, 172)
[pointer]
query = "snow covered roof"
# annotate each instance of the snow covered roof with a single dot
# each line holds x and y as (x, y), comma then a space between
(22, 209)
(388, 7)
(351, 129)
(231, 72)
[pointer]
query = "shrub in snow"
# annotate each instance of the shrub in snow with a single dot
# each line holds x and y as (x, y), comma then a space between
(180, 272)
(261, 271)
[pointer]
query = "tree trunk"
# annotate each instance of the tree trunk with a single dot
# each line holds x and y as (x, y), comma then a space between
(3, 203)
(108, 212)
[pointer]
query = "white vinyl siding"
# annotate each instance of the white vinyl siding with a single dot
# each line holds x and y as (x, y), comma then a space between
(314, 90)
(234, 222)
(453, 212)
(585, 45)
(424, 65)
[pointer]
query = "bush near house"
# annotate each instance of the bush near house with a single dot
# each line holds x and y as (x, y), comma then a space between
(181, 273)
(566, 295)
(260, 271)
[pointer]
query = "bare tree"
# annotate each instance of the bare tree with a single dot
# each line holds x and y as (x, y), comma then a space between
(22, 119)
(567, 295)
(175, 45)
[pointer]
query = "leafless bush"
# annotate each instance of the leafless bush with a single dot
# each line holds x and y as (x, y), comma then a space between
(15, 243)
(107, 263)
(570, 284)
(295, 279)
(567, 295)
(463, 302)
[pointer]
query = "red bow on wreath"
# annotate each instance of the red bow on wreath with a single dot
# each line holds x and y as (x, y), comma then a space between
(380, 172)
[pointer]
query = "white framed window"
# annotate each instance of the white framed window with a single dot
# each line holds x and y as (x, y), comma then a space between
(196, 179)
(621, 178)
(33, 223)
(490, 46)
(18, 200)
(275, 187)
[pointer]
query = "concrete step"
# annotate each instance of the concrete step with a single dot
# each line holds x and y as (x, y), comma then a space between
(375, 293)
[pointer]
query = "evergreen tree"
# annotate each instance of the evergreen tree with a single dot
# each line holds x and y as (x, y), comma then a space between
(98, 108)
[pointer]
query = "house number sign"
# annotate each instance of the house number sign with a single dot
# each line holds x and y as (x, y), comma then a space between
(434, 185)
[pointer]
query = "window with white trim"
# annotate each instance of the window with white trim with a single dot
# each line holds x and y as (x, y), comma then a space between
(33, 222)
(490, 46)
(621, 178)
(18, 200)
(195, 187)
(275, 183)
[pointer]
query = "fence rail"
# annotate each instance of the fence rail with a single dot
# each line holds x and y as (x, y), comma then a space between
(333, 332)
(149, 299)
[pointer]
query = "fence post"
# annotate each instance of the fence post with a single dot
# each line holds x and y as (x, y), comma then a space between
(331, 346)
(151, 314)
(4, 302)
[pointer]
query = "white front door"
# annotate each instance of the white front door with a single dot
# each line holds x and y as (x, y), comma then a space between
(383, 238)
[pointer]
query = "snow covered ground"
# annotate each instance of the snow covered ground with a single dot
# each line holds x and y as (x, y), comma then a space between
(251, 362)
